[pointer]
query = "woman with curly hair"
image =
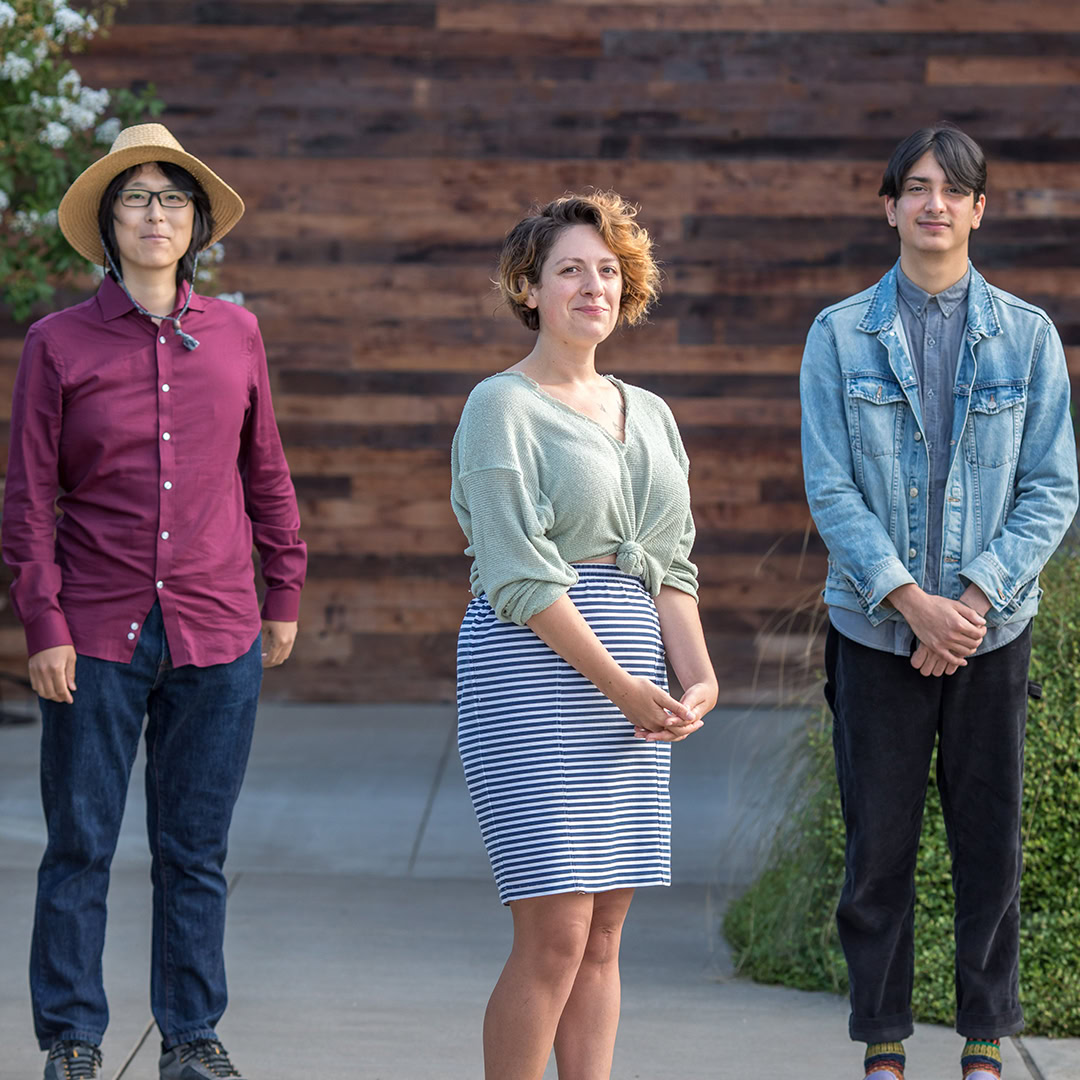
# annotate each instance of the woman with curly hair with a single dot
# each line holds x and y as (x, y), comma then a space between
(571, 489)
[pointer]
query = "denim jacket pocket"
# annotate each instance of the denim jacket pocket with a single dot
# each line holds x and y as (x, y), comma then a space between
(876, 407)
(996, 423)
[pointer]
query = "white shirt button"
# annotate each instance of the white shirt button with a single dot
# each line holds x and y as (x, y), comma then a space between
(167, 485)
(165, 387)
(161, 584)
(165, 535)
(918, 436)
(911, 552)
(914, 492)
(134, 626)
(162, 340)
(131, 637)
(166, 436)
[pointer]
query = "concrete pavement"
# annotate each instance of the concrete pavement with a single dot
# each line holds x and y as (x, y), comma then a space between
(365, 933)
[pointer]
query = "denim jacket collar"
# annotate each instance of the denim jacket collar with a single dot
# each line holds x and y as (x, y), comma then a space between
(881, 315)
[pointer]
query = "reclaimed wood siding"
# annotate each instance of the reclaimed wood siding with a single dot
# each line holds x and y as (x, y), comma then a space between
(384, 149)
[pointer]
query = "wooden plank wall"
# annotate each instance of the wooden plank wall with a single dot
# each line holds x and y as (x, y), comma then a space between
(384, 148)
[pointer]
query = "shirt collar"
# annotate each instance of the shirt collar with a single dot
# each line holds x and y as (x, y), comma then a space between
(113, 301)
(918, 298)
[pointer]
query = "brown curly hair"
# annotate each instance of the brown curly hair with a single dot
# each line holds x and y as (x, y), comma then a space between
(528, 243)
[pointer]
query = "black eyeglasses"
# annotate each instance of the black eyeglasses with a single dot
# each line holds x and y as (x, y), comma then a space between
(170, 198)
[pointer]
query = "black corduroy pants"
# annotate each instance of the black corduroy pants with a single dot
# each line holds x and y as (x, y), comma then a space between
(886, 718)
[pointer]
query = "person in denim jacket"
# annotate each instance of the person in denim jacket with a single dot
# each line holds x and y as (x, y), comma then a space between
(940, 469)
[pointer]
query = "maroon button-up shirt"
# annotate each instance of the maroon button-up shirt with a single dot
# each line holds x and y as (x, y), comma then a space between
(168, 465)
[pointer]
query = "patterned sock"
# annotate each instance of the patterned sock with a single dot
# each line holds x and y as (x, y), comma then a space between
(884, 1061)
(981, 1059)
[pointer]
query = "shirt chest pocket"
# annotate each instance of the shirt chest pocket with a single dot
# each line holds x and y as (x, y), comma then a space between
(995, 423)
(877, 411)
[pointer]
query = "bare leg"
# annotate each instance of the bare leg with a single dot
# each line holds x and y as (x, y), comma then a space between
(585, 1041)
(550, 937)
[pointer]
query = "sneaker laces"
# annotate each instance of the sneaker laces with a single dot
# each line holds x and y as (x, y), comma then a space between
(210, 1053)
(81, 1060)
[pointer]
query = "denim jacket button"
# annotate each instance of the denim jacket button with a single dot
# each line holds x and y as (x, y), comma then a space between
(918, 436)
(911, 552)
(914, 492)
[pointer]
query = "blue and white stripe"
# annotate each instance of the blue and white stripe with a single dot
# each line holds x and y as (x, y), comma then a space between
(567, 799)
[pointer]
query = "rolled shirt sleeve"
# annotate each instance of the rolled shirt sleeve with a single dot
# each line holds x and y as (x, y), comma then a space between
(515, 564)
(29, 517)
(682, 573)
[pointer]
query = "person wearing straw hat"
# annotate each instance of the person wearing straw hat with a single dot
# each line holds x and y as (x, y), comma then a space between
(147, 407)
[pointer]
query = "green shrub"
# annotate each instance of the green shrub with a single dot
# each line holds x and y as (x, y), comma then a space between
(51, 128)
(782, 929)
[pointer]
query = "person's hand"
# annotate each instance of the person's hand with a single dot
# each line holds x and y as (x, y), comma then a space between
(654, 711)
(700, 699)
(52, 673)
(277, 641)
(930, 663)
(947, 628)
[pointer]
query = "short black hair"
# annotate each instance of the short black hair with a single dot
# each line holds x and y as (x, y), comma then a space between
(202, 227)
(959, 155)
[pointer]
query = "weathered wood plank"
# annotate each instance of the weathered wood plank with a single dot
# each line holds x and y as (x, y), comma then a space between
(245, 13)
(1001, 70)
(794, 15)
(400, 409)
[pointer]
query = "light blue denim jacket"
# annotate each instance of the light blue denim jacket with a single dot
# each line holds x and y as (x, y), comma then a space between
(1012, 487)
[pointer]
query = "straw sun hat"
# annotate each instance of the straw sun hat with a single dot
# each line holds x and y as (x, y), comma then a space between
(138, 145)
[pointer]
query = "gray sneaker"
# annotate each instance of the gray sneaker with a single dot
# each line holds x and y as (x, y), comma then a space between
(72, 1060)
(204, 1059)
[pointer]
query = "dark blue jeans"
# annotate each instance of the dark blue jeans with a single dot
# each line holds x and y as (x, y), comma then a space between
(199, 733)
(887, 718)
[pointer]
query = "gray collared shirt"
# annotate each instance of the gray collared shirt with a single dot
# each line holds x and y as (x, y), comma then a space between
(935, 329)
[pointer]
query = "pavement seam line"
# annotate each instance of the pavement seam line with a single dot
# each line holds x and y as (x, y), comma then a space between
(436, 784)
(1029, 1061)
(133, 1053)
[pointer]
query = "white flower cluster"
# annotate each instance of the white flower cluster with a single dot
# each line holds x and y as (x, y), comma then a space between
(215, 254)
(54, 134)
(232, 297)
(7, 15)
(29, 221)
(83, 111)
(5, 201)
(77, 106)
(15, 68)
(67, 22)
(108, 130)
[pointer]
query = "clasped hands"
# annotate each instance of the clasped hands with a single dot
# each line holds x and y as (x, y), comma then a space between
(657, 716)
(947, 631)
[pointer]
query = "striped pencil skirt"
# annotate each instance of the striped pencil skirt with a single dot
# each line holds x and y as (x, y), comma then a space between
(567, 799)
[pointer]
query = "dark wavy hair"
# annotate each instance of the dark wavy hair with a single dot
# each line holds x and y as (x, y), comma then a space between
(201, 230)
(959, 155)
